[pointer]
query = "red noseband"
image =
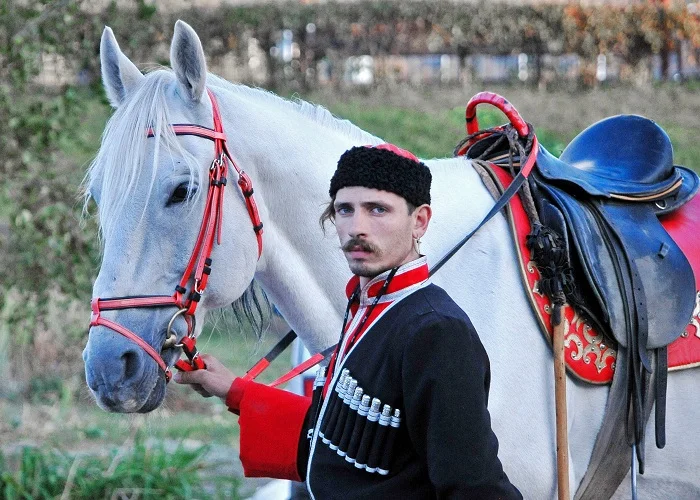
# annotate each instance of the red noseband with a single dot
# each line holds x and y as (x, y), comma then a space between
(199, 266)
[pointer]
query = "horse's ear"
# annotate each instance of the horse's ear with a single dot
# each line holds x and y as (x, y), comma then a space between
(187, 60)
(119, 75)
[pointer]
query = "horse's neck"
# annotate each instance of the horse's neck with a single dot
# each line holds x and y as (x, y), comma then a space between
(459, 203)
(304, 273)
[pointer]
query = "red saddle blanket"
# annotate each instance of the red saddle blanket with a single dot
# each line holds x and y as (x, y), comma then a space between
(587, 355)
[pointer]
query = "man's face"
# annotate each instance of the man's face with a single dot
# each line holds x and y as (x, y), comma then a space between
(375, 229)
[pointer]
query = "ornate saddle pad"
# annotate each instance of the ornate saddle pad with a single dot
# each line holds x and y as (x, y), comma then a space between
(590, 356)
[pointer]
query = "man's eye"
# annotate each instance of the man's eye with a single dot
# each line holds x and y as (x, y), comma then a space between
(342, 211)
(181, 193)
(379, 210)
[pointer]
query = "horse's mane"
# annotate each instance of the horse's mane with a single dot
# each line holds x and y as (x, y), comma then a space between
(315, 112)
(115, 172)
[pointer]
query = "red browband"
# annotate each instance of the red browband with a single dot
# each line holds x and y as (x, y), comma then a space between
(199, 266)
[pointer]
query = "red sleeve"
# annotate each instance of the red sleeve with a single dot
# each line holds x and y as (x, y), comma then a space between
(271, 422)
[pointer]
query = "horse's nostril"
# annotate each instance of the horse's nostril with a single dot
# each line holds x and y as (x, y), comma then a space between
(131, 364)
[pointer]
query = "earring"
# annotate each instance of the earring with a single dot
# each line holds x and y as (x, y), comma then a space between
(417, 240)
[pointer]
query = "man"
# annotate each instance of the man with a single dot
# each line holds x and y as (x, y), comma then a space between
(402, 411)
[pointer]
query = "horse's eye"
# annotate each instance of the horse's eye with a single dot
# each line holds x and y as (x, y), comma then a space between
(181, 193)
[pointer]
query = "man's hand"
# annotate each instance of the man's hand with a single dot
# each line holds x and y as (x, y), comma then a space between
(215, 380)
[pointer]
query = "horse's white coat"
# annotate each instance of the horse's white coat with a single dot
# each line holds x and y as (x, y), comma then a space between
(290, 151)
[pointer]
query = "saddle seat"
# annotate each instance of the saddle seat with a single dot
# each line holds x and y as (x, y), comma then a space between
(608, 188)
(625, 157)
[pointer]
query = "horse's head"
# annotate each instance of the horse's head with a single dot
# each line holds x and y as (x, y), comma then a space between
(152, 191)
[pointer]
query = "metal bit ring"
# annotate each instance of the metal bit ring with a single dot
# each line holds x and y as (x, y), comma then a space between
(171, 336)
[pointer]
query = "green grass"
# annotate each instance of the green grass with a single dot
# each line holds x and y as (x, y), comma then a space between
(137, 469)
(686, 147)
(192, 427)
(427, 135)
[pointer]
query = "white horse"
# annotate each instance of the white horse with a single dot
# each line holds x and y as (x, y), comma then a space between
(150, 198)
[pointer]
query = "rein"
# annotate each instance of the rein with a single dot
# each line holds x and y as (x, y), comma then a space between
(199, 266)
(523, 130)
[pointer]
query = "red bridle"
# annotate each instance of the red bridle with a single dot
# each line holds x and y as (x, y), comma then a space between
(199, 266)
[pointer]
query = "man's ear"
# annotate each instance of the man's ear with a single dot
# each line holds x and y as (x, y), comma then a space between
(421, 219)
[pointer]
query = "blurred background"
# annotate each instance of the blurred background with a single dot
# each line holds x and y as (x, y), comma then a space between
(403, 70)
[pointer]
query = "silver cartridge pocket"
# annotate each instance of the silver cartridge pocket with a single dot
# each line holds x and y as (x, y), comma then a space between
(379, 441)
(359, 428)
(319, 383)
(392, 430)
(356, 436)
(350, 422)
(367, 437)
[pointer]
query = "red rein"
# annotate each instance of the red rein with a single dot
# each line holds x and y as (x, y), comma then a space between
(199, 266)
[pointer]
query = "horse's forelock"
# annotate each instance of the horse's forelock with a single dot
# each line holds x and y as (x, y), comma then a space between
(118, 167)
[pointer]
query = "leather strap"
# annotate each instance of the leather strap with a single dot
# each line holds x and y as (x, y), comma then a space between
(284, 342)
(660, 396)
(306, 365)
(513, 188)
(115, 303)
(265, 361)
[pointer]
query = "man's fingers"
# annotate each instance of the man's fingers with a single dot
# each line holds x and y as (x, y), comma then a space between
(193, 377)
(201, 391)
(215, 380)
(210, 361)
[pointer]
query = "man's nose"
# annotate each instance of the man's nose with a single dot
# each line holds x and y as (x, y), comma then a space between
(358, 226)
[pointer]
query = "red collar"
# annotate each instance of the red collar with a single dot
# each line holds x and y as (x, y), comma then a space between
(411, 273)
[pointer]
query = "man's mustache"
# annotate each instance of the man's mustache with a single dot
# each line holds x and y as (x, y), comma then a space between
(359, 244)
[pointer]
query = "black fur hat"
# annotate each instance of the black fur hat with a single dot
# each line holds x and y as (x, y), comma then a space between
(385, 167)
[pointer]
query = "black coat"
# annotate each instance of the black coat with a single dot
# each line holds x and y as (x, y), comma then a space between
(424, 358)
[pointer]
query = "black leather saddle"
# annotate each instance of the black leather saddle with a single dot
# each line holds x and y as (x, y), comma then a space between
(627, 158)
(610, 183)
(602, 198)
